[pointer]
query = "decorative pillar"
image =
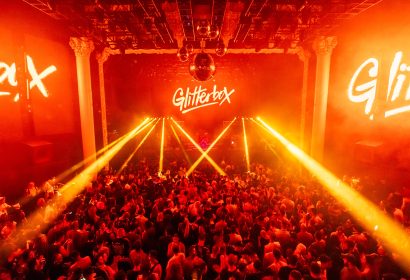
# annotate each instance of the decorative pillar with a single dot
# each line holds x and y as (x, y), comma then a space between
(304, 56)
(323, 47)
(102, 58)
(83, 47)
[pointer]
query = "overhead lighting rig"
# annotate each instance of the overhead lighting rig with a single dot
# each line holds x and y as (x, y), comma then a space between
(202, 65)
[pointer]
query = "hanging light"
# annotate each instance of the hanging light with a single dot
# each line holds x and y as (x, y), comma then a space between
(203, 28)
(213, 32)
(202, 67)
(183, 54)
(190, 48)
(220, 49)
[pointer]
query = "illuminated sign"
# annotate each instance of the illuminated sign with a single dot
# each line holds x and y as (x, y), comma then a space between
(8, 72)
(188, 100)
(359, 92)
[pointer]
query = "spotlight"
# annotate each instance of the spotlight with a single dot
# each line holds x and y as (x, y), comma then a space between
(220, 49)
(183, 54)
(213, 32)
(203, 28)
(190, 48)
(202, 67)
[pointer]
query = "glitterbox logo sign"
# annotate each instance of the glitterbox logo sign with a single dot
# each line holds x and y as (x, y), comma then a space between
(364, 86)
(192, 99)
(35, 78)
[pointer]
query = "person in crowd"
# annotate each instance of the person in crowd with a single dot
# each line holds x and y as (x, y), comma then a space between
(350, 270)
(269, 223)
(175, 269)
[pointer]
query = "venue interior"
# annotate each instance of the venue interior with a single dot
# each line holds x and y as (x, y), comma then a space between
(204, 139)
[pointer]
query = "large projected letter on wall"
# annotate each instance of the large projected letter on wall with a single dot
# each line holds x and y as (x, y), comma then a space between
(367, 89)
(397, 97)
(9, 73)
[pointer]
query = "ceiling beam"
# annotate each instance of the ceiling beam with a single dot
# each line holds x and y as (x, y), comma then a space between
(210, 51)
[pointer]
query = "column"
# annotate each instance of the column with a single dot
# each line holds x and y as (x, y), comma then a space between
(82, 48)
(102, 58)
(304, 56)
(323, 47)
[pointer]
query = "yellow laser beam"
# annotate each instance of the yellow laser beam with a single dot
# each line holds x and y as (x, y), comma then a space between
(161, 152)
(245, 143)
(204, 154)
(180, 144)
(37, 221)
(86, 161)
(91, 170)
(70, 171)
(268, 145)
(136, 149)
(211, 161)
(393, 236)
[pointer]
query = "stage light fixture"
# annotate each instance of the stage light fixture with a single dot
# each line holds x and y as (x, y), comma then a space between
(213, 32)
(203, 28)
(190, 48)
(183, 54)
(220, 49)
(202, 67)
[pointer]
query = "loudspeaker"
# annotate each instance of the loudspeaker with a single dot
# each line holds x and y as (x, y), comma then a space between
(367, 151)
(38, 152)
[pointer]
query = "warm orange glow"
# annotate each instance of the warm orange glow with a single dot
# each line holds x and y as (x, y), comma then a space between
(137, 148)
(245, 143)
(161, 152)
(394, 237)
(69, 191)
(204, 154)
(396, 90)
(368, 89)
(397, 111)
(180, 144)
(36, 78)
(91, 170)
(88, 160)
(197, 98)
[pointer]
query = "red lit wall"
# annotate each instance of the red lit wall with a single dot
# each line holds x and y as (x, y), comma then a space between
(25, 31)
(378, 33)
(265, 85)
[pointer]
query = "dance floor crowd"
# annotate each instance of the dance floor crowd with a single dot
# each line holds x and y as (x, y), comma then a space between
(269, 223)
